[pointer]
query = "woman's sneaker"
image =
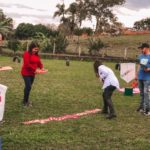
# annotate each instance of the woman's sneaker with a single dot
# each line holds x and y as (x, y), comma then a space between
(28, 104)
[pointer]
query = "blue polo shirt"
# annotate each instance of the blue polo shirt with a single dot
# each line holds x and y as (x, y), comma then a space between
(144, 61)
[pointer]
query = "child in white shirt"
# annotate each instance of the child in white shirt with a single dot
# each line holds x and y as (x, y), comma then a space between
(110, 83)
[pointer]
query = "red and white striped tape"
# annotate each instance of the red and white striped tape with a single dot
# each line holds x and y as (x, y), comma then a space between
(65, 117)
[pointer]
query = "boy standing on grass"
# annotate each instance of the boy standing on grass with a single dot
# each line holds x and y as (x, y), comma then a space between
(110, 83)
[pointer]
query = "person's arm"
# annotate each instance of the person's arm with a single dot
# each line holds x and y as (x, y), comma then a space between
(40, 65)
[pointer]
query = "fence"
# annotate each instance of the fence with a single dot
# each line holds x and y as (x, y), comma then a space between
(73, 57)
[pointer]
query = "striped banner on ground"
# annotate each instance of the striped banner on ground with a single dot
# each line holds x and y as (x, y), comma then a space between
(65, 117)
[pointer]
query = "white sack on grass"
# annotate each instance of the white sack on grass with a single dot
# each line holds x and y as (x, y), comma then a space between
(127, 71)
(3, 90)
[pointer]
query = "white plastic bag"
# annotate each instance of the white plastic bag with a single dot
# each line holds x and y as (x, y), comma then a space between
(3, 90)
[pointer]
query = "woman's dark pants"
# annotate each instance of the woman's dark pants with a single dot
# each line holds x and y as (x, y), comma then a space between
(28, 80)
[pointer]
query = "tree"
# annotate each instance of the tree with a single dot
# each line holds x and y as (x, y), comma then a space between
(14, 45)
(115, 28)
(42, 29)
(70, 17)
(6, 24)
(81, 12)
(101, 10)
(64, 27)
(60, 12)
(143, 24)
(87, 9)
(24, 31)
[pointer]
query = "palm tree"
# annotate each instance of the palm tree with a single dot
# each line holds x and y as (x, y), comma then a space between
(6, 26)
(82, 12)
(70, 22)
(72, 11)
(60, 12)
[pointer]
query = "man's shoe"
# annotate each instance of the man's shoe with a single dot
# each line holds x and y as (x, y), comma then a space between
(147, 113)
(111, 116)
(141, 110)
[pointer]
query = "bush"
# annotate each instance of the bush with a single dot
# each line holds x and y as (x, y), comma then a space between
(14, 45)
(24, 45)
(61, 43)
(78, 32)
(95, 45)
(88, 31)
(46, 46)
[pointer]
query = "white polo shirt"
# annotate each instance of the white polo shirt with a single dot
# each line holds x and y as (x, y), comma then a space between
(108, 76)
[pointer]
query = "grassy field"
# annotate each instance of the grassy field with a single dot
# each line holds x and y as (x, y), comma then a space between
(67, 90)
(116, 45)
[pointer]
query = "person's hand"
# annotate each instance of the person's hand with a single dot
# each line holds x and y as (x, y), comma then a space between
(36, 71)
(146, 69)
(136, 78)
(41, 71)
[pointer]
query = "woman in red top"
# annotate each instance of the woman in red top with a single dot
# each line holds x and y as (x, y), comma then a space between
(31, 61)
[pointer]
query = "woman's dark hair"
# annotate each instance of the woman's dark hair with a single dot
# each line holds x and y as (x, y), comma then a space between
(96, 64)
(32, 45)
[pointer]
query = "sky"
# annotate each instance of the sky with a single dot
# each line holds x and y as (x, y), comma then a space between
(36, 11)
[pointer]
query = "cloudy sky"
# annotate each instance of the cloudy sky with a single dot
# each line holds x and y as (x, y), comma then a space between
(35, 11)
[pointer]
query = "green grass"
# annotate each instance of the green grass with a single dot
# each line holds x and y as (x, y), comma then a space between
(67, 90)
(116, 45)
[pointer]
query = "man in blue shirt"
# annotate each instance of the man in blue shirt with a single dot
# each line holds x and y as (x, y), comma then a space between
(144, 78)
